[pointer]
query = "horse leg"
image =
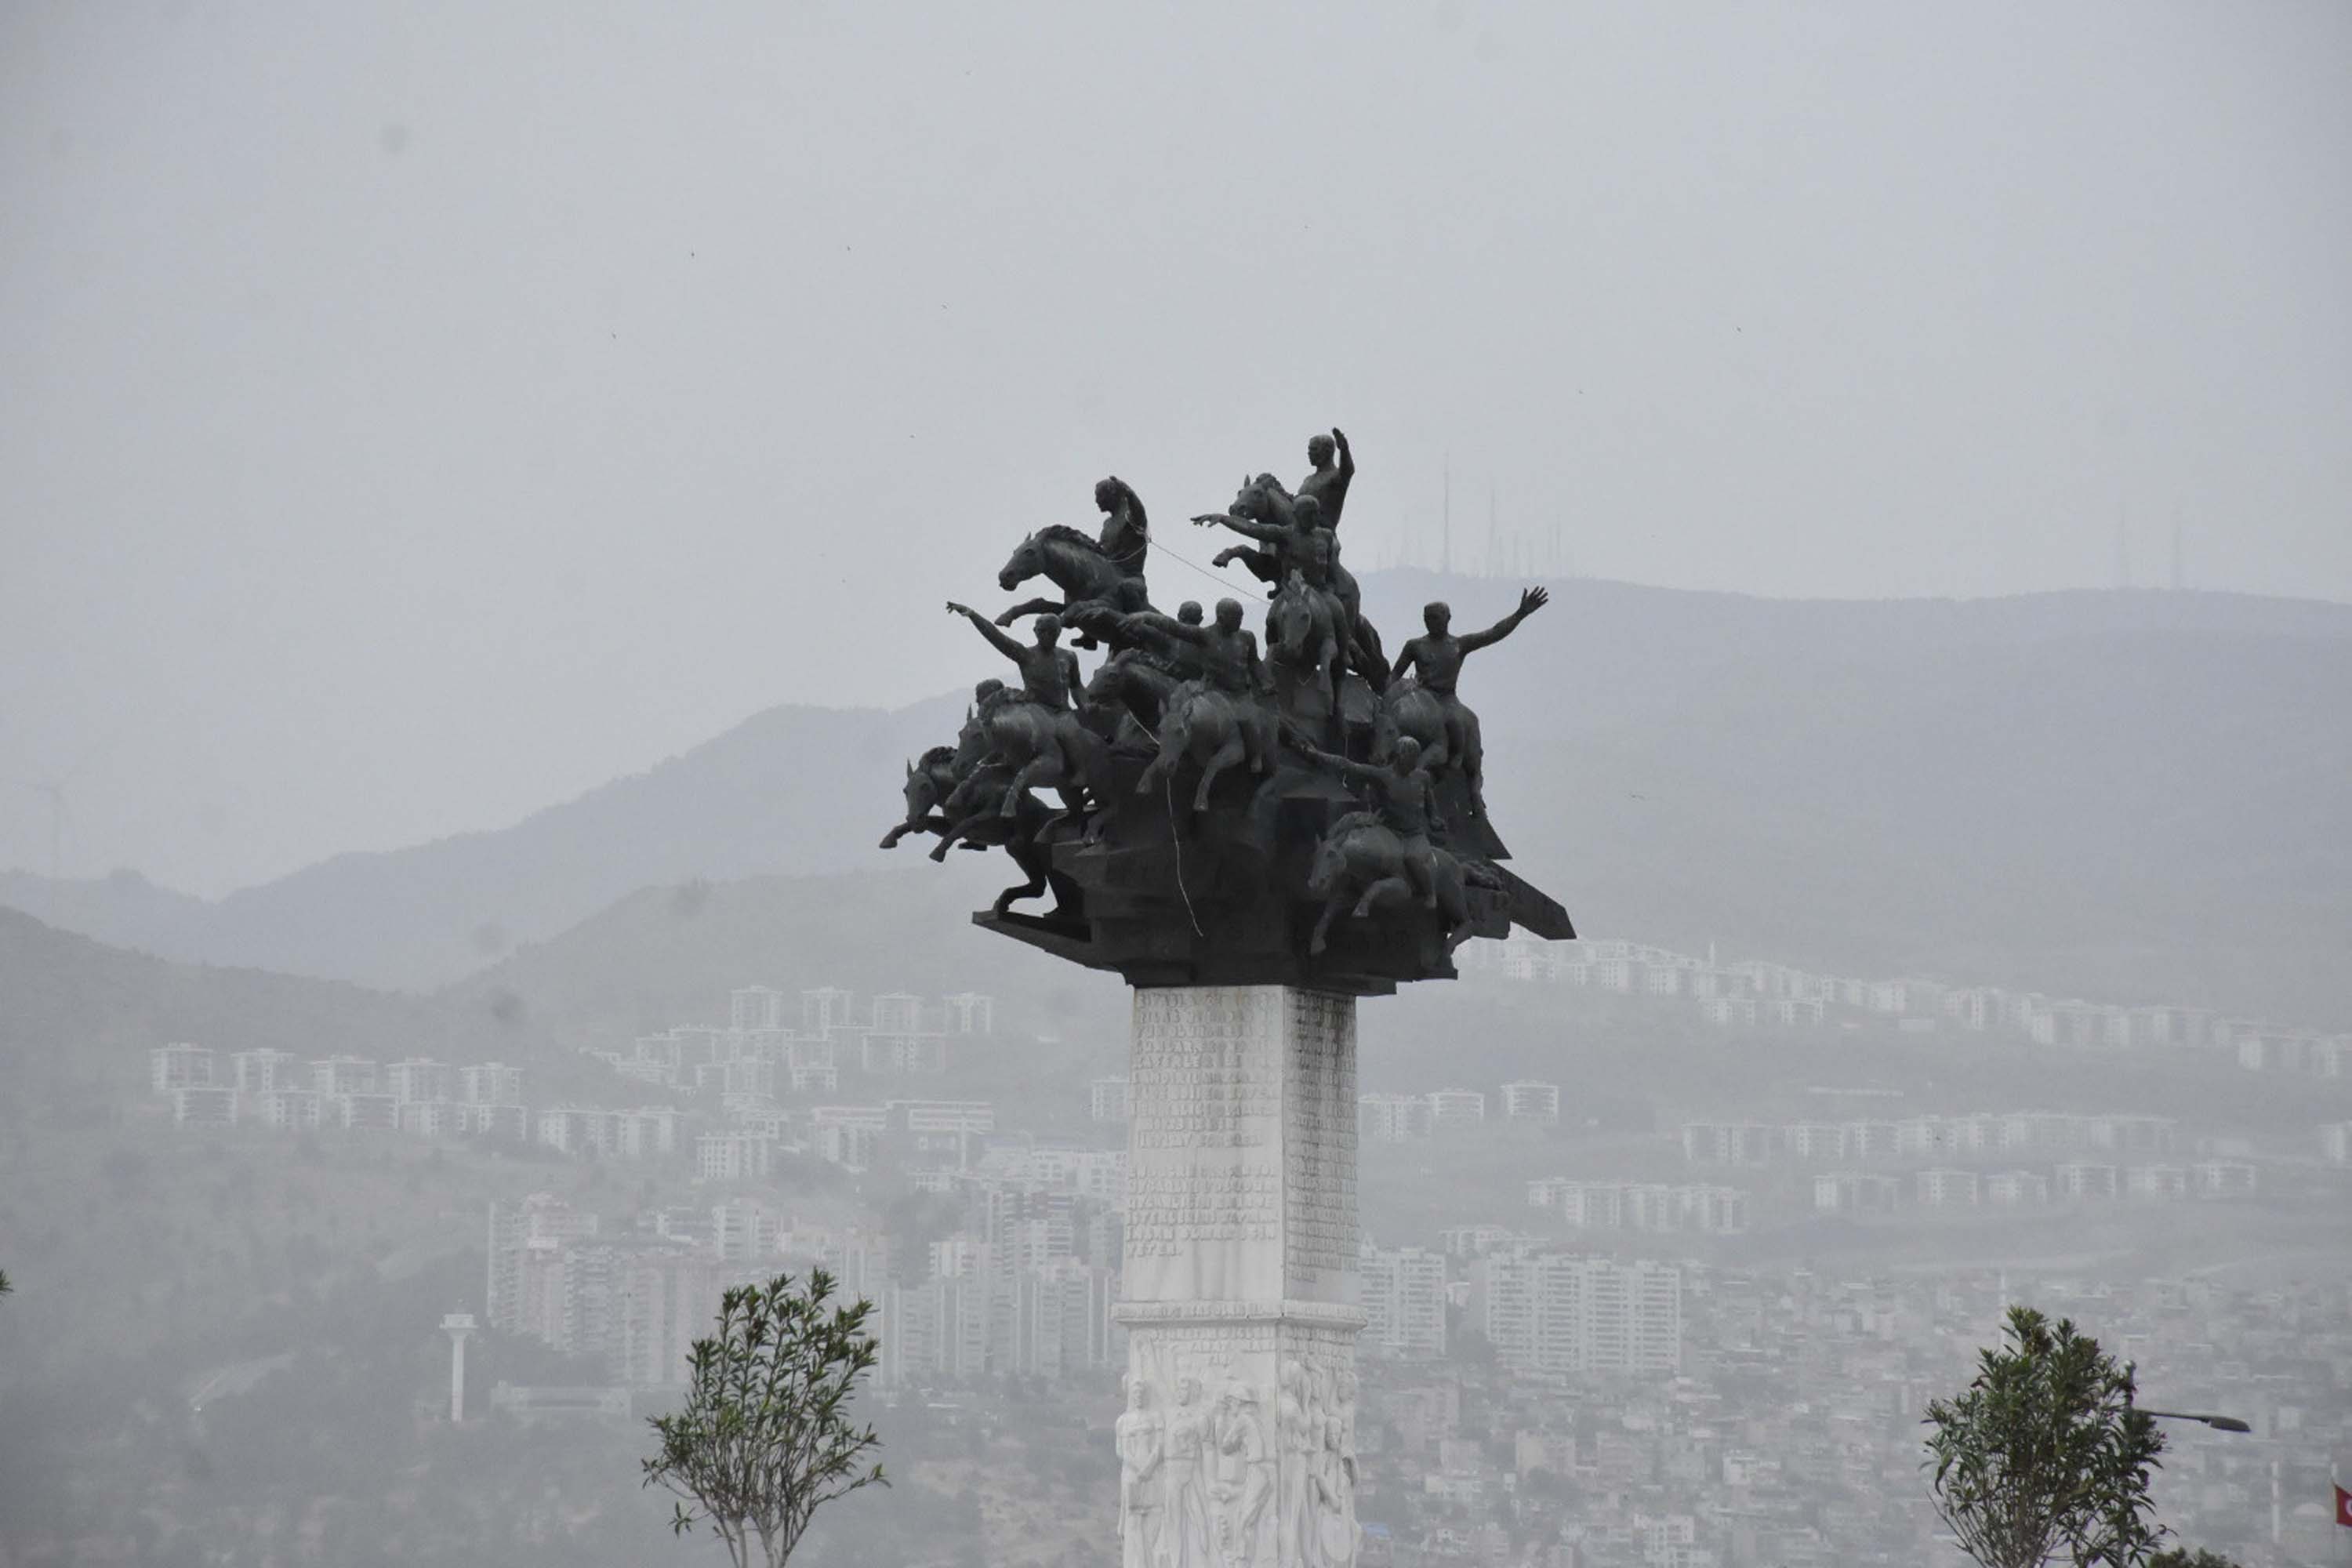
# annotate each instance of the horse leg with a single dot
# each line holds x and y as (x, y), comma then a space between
(1223, 757)
(890, 839)
(1378, 892)
(1421, 870)
(1331, 907)
(1175, 738)
(1028, 772)
(955, 835)
(1474, 759)
(1031, 607)
(1032, 865)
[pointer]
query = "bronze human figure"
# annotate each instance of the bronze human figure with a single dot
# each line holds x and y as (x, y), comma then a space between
(1438, 657)
(1125, 532)
(1049, 673)
(1235, 883)
(1328, 482)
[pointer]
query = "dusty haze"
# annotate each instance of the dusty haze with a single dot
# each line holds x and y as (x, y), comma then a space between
(418, 414)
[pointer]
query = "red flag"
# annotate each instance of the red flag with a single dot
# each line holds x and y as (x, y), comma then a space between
(2344, 1507)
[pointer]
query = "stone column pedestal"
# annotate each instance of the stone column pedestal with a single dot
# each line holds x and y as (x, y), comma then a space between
(1241, 1299)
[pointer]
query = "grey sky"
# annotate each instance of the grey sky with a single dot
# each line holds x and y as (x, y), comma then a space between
(415, 414)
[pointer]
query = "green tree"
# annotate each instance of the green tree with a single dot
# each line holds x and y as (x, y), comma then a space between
(2043, 1452)
(2182, 1557)
(765, 1437)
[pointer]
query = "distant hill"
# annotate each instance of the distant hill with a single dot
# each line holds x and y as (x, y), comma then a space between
(2128, 795)
(72, 1006)
(670, 955)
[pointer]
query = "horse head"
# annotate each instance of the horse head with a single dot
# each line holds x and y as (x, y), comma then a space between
(1026, 561)
(1292, 621)
(1331, 865)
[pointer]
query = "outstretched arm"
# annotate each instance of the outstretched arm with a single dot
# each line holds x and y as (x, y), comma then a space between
(1357, 772)
(1166, 626)
(996, 639)
(1531, 601)
(1270, 533)
(1347, 458)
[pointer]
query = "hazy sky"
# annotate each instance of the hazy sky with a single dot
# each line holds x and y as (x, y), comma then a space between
(410, 416)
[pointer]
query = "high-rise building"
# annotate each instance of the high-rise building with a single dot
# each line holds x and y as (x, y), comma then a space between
(1404, 1302)
(1108, 1100)
(1391, 1118)
(1527, 1100)
(1457, 1107)
(970, 1013)
(179, 1065)
(752, 1007)
(825, 1007)
(1553, 1312)
(420, 1078)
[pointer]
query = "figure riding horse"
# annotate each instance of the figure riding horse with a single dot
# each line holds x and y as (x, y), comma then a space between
(1080, 568)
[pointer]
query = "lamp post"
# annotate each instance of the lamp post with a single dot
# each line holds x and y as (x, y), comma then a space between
(457, 1326)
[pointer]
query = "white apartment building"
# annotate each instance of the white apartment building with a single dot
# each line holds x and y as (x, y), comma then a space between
(420, 1078)
(1108, 1100)
(430, 1118)
(2017, 1189)
(1940, 1188)
(1528, 1101)
(489, 1083)
(260, 1071)
(364, 1112)
(179, 1065)
(2084, 1179)
(751, 1008)
(1552, 1312)
(343, 1075)
(736, 1156)
(203, 1105)
(1457, 1107)
(288, 1109)
(495, 1120)
(970, 1013)
(1404, 1302)
(1391, 1118)
(822, 1008)
(897, 1013)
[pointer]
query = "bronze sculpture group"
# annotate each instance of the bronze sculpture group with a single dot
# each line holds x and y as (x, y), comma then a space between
(1224, 802)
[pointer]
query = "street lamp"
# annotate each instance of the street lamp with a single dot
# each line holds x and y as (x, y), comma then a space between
(2219, 1423)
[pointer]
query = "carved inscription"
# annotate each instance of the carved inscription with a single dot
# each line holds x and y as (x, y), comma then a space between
(1319, 1138)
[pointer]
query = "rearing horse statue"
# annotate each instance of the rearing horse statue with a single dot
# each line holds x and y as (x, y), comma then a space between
(1079, 566)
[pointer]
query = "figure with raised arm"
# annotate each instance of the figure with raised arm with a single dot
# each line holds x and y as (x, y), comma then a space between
(1049, 672)
(1329, 483)
(1438, 657)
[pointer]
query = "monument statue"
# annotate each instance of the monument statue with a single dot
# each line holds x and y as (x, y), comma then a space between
(1438, 657)
(1256, 826)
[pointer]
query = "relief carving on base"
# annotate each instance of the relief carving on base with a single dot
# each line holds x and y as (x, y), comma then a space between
(1216, 1471)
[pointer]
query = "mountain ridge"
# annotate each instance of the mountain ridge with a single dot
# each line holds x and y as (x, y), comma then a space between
(2088, 787)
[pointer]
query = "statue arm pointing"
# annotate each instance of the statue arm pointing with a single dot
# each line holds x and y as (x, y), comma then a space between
(1268, 533)
(1531, 601)
(996, 639)
(1346, 457)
